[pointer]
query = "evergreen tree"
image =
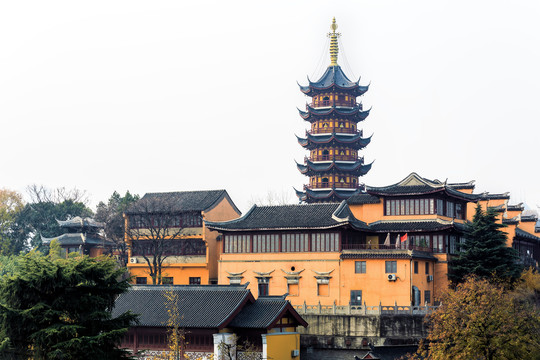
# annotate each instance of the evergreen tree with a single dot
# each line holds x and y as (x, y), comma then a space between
(61, 309)
(485, 253)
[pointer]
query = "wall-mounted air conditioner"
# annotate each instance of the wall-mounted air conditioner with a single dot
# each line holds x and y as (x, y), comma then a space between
(295, 353)
(133, 260)
(392, 277)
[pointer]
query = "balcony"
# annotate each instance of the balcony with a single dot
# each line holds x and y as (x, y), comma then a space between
(330, 130)
(326, 185)
(328, 103)
(332, 158)
(402, 246)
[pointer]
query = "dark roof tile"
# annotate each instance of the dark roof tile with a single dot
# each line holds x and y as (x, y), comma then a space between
(201, 306)
(179, 201)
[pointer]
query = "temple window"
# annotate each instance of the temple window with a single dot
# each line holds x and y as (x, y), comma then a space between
(263, 287)
(409, 207)
(294, 242)
(356, 297)
(194, 281)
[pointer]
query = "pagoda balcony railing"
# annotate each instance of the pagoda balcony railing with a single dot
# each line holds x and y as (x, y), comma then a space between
(332, 158)
(329, 130)
(401, 246)
(327, 185)
(328, 103)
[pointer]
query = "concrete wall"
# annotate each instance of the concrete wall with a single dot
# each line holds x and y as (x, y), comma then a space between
(356, 331)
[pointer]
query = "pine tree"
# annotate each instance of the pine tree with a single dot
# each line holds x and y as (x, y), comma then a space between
(485, 253)
(61, 309)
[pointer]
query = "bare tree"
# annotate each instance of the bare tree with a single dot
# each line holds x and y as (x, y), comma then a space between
(110, 214)
(40, 193)
(273, 198)
(153, 232)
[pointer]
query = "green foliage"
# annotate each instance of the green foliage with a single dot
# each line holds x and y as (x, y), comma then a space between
(61, 309)
(55, 250)
(479, 320)
(485, 253)
(39, 218)
(111, 214)
(11, 204)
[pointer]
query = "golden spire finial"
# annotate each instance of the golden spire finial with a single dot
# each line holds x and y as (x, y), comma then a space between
(333, 43)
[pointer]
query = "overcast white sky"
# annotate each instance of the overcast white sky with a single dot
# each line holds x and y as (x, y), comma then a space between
(184, 95)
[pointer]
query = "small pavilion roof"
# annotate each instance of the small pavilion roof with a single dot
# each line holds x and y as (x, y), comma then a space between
(180, 201)
(334, 77)
(291, 217)
(73, 239)
(357, 168)
(352, 113)
(356, 141)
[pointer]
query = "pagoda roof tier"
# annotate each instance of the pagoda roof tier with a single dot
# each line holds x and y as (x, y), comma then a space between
(355, 113)
(357, 168)
(334, 79)
(355, 141)
(292, 217)
(325, 195)
(417, 185)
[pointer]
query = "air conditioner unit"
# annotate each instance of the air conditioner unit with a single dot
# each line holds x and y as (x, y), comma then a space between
(295, 353)
(392, 277)
(133, 260)
(430, 278)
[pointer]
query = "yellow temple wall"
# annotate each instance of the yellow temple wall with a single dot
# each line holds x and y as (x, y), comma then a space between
(281, 345)
(221, 212)
(276, 262)
(179, 272)
(440, 275)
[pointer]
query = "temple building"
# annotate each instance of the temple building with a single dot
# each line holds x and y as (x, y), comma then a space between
(218, 322)
(334, 139)
(388, 245)
(167, 238)
(82, 236)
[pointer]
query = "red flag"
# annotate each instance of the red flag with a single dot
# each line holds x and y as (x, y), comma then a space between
(404, 238)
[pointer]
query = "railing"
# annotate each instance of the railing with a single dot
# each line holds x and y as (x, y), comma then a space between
(363, 309)
(326, 185)
(330, 130)
(401, 246)
(332, 157)
(326, 103)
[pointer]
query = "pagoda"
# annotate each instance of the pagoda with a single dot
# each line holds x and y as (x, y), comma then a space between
(333, 166)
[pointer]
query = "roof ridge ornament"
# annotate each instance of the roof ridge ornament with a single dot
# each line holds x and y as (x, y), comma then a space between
(334, 49)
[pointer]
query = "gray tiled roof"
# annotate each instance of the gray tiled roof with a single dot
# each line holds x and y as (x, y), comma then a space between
(414, 184)
(361, 199)
(201, 306)
(180, 201)
(264, 313)
(411, 225)
(283, 217)
(526, 235)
